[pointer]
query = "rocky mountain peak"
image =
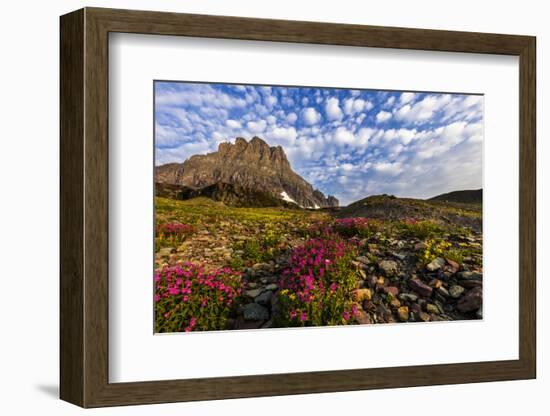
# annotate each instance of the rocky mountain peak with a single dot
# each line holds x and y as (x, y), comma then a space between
(252, 165)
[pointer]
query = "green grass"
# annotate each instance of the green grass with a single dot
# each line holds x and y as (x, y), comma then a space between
(198, 210)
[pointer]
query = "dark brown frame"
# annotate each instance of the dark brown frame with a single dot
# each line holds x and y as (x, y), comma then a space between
(84, 208)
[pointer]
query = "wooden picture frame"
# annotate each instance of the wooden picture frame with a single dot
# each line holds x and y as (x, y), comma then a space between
(84, 207)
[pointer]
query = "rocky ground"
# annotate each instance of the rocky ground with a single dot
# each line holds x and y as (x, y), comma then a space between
(402, 276)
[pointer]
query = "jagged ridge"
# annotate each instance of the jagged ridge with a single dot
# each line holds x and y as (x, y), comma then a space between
(251, 166)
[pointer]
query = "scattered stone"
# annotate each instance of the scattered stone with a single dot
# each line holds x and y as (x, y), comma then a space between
(371, 281)
(252, 293)
(408, 297)
(436, 264)
(470, 284)
(438, 296)
(363, 259)
(264, 298)
(430, 308)
(471, 301)
(166, 251)
(439, 306)
(255, 312)
(403, 313)
(421, 288)
(391, 290)
(384, 312)
(395, 303)
(400, 256)
(272, 287)
(420, 246)
(184, 246)
(403, 276)
(415, 308)
(456, 291)
(442, 291)
(380, 281)
(436, 283)
(470, 275)
(369, 306)
(268, 324)
(389, 267)
(453, 265)
(272, 279)
(363, 317)
(363, 294)
(243, 324)
(424, 317)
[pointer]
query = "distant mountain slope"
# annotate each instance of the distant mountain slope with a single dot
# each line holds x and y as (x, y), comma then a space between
(229, 194)
(393, 208)
(253, 168)
(474, 196)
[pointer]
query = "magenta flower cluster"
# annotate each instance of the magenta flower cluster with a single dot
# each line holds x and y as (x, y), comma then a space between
(359, 226)
(317, 287)
(320, 229)
(187, 297)
(351, 222)
(176, 229)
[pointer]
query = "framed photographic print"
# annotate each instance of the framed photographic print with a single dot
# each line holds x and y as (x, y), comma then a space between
(256, 207)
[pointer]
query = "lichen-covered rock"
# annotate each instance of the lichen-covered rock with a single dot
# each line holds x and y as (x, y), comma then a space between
(471, 301)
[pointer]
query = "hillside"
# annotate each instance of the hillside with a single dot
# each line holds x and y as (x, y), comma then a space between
(231, 195)
(474, 196)
(392, 208)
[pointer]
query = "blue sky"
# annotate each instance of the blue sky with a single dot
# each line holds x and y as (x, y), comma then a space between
(347, 143)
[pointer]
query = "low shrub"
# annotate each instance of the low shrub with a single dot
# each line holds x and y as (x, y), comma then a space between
(317, 287)
(173, 233)
(187, 298)
(258, 250)
(420, 229)
(360, 227)
(319, 229)
(435, 248)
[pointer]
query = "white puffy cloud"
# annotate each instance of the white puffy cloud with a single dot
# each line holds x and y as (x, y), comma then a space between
(198, 95)
(388, 168)
(256, 126)
(424, 109)
(285, 134)
(287, 101)
(310, 116)
(233, 124)
(364, 136)
(343, 136)
(271, 119)
(271, 100)
(332, 109)
(352, 106)
(383, 116)
(407, 97)
(291, 118)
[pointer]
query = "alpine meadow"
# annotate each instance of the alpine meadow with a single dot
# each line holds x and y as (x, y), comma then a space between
(284, 206)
